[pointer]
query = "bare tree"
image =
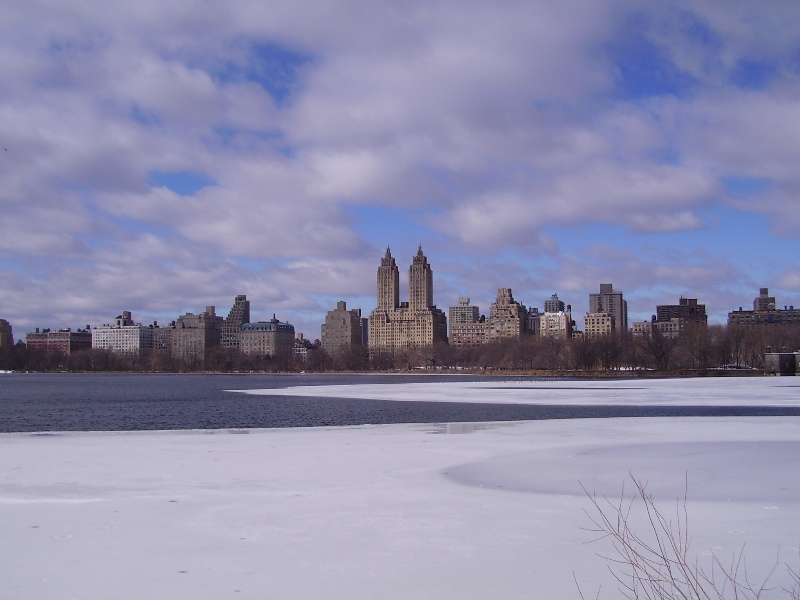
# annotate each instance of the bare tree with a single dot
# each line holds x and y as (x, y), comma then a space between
(659, 347)
(655, 563)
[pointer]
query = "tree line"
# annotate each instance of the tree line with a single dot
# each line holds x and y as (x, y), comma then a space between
(697, 348)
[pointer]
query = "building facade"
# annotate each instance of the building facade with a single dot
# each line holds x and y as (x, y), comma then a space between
(267, 338)
(342, 329)
(554, 305)
(64, 341)
(162, 340)
(610, 301)
(195, 335)
(687, 310)
(557, 325)
(468, 334)
(596, 325)
(467, 328)
(124, 337)
(764, 301)
(671, 328)
(534, 321)
(232, 326)
(765, 312)
(6, 334)
(418, 323)
(507, 317)
(463, 313)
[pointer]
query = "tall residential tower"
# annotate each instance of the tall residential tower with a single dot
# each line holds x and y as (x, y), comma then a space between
(418, 323)
(611, 302)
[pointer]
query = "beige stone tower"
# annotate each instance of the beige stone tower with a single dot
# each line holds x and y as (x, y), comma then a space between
(388, 283)
(397, 326)
(420, 283)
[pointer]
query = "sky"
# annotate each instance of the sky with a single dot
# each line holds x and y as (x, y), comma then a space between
(166, 156)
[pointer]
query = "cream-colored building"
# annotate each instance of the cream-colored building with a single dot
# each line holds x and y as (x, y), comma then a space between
(124, 336)
(597, 325)
(671, 328)
(558, 324)
(395, 326)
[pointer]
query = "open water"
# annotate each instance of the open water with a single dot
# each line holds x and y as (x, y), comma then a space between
(114, 402)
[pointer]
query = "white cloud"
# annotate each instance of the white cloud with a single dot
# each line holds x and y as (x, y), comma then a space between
(495, 124)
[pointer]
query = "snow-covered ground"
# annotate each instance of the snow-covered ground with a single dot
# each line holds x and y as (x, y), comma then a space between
(491, 510)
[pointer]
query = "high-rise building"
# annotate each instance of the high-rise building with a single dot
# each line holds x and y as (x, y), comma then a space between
(388, 283)
(764, 301)
(342, 329)
(418, 323)
(6, 335)
(553, 305)
(195, 335)
(463, 313)
(124, 337)
(420, 283)
(507, 317)
(610, 301)
(687, 311)
(534, 321)
(467, 328)
(162, 340)
(237, 316)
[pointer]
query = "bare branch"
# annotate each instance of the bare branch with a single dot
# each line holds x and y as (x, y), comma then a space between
(655, 562)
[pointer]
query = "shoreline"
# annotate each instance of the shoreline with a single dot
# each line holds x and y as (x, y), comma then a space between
(561, 374)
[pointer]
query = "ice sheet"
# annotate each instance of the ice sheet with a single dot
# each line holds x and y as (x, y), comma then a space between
(398, 511)
(744, 391)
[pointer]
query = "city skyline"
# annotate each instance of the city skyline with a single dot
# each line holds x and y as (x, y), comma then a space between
(388, 295)
(166, 157)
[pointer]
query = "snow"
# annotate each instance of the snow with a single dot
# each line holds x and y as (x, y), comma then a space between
(712, 391)
(462, 510)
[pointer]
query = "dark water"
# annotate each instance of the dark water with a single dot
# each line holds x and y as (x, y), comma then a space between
(111, 402)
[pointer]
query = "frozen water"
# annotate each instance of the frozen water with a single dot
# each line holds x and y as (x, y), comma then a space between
(745, 391)
(392, 511)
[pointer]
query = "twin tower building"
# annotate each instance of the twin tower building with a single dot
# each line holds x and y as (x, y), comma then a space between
(396, 325)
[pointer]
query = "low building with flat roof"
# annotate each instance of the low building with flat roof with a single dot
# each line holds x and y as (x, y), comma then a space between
(64, 341)
(765, 312)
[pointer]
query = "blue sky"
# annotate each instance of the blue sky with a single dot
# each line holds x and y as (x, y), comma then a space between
(168, 156)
